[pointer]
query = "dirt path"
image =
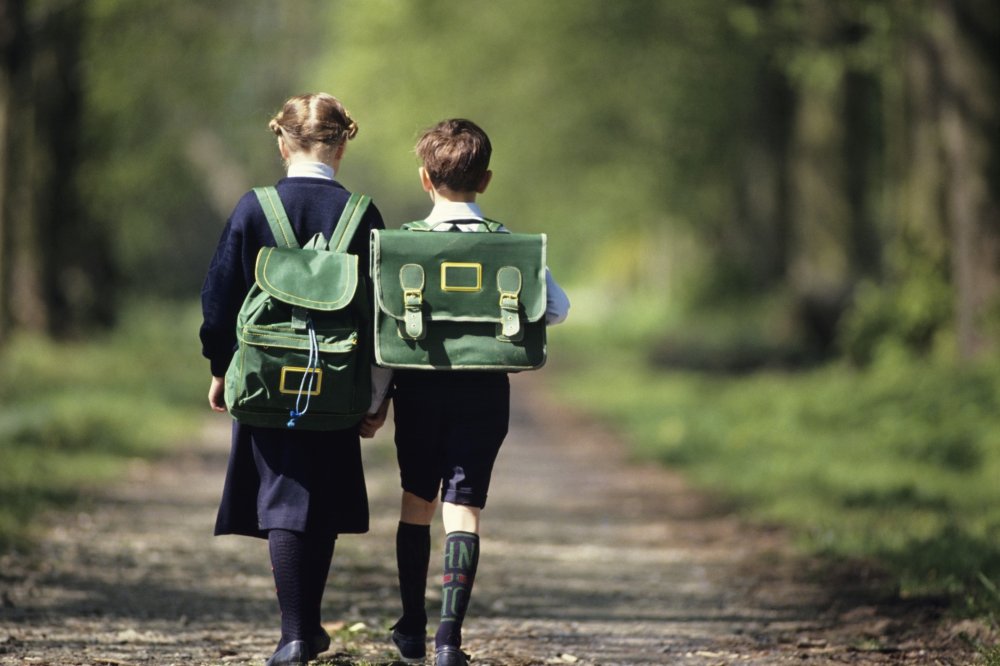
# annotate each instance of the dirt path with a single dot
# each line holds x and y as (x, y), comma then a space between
(586, 559)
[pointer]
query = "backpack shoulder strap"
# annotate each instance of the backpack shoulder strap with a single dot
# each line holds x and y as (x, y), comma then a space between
(349, 220)
(276, 216)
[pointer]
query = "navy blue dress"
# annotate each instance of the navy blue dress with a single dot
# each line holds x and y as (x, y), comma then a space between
(306, 481)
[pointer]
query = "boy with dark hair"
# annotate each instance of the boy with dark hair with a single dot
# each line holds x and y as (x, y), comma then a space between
(449, 424)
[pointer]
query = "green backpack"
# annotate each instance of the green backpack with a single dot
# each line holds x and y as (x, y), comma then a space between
(451, 300)
(303, 351)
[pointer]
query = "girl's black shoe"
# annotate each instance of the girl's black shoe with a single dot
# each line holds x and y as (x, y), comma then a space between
(319, 643)
(412, 649)
(295, 653)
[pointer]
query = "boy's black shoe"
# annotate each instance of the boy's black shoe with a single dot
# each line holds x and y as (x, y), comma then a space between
(295, 653)
(412, 649)
(449, 655)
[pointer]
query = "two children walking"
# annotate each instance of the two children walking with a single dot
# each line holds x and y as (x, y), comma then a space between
(300, 489)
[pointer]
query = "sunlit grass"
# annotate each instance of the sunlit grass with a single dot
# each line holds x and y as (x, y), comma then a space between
(899, 462)
(73, 414)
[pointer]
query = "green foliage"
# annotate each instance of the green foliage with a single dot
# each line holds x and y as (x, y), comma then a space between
(72, 415)
(908, 318)
(170, 145)
(898, 462)
(600, 114)
(733, 147)
(989, 656)
(909, 312)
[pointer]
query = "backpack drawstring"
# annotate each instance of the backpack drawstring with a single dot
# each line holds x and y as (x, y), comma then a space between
(311, 367)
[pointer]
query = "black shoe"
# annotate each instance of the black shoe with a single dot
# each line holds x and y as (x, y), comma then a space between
(449, 655)
(295, 653)
(319, 643)
(412, 649)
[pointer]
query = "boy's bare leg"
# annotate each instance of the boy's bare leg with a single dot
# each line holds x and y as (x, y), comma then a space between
(460, 518)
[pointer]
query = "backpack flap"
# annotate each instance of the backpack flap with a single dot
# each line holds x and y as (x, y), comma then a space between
(459, 300)
(313, 279)
(459, 277)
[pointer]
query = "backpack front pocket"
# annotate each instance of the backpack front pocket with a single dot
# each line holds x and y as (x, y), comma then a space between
(278, 367)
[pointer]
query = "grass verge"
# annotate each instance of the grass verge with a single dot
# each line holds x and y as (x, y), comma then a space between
(73, 414)
(900, 463)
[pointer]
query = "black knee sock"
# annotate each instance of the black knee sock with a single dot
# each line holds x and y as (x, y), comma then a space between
(288, 556)
(319, 554)
(461, 558)
(413, 554)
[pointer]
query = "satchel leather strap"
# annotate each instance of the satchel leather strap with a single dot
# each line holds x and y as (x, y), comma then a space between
(485, 225)
(509, 285)
(411, 279)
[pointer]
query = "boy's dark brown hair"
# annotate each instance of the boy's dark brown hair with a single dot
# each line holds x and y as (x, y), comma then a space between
(456, 154)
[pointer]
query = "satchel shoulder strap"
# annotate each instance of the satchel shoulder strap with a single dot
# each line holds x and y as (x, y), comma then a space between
(276, 216)
(349, 220)
(486, 225)
(493, 226)
(419, 225)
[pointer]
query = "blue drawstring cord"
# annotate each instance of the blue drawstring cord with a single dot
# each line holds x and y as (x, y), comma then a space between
(311, 366)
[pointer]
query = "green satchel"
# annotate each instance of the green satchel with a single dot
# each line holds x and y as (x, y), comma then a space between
(454, 300)
(303, 356)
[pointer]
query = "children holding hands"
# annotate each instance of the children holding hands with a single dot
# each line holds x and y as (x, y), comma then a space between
(300, 489)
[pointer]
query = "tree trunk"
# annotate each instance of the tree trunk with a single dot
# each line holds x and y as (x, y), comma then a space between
(762, 185)
(11, 66)
(968, 132)
(860, 144)
(78, 277)
(57, 270)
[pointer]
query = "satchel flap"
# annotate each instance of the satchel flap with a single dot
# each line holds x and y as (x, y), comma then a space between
(314, 279)
(461, 272)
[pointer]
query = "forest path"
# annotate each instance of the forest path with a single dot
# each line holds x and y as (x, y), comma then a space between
(586, 559)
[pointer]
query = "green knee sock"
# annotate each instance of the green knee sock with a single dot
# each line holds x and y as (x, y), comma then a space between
(461, 558)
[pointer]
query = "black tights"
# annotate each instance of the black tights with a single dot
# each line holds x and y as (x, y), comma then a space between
(300, 562)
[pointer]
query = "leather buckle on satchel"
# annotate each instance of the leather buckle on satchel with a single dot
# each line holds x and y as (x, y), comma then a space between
(412, 297)
(508, 300)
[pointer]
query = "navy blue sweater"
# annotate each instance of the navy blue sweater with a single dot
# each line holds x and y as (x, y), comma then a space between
(313, 205)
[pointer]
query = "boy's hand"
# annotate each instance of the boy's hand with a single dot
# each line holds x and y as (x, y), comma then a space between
(216, 394)
(372, 422)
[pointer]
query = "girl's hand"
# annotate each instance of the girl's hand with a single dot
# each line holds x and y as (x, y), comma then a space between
(372, 422)
(216, 394)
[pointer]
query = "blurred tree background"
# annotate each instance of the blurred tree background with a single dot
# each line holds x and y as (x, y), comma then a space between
(742, 187)
(838, 159)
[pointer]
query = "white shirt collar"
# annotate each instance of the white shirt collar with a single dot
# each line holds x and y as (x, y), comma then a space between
(310, 170)
(446, 211)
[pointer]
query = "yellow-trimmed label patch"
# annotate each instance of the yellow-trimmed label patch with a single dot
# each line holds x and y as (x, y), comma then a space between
(458, 276)
(292, 379)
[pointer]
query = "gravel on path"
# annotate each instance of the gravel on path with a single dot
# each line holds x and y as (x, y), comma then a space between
(587, 558)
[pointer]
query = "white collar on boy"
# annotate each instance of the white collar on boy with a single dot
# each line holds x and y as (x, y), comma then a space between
(446, 211)
(310, 170)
